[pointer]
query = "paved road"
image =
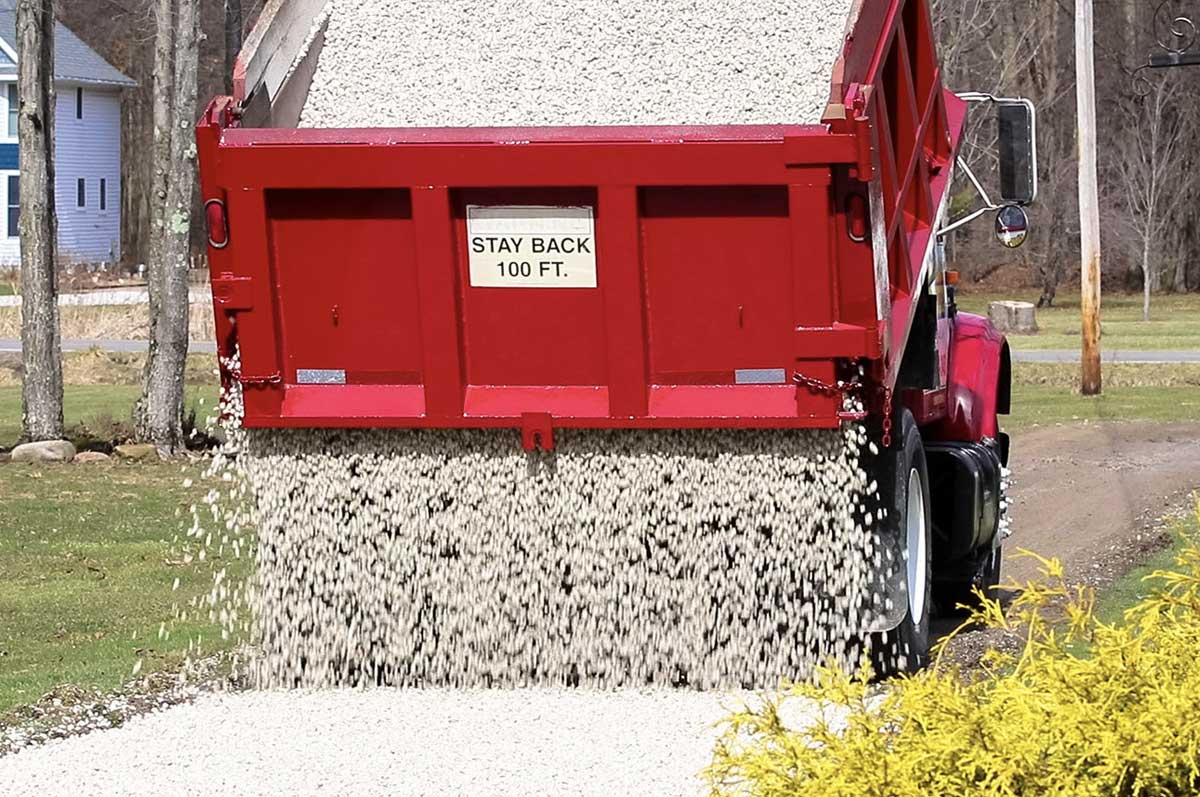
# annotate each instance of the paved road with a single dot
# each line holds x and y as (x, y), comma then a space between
(1117, 356)
(1049, 356)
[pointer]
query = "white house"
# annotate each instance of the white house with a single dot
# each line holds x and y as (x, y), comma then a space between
(87, 148)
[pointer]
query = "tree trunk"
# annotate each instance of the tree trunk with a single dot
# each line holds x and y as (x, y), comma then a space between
(161, 417)
(233, 39)
(42, 386)
(1147, 280)
(137, 138)
(163, 97)
(1051, 273)
(1180, 285)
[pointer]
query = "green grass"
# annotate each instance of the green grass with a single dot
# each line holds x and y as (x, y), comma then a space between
(1045, 394)
(82, 403)
(6, 289)
(86, 575)
(1174, 324)
(1132, 587)
(1045, 405)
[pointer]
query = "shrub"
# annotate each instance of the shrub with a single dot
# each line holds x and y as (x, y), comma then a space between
(1081, 708)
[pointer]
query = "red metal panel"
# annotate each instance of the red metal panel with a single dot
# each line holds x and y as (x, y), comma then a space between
(440, 303)
(977, 362)
(719, 275)
(345, 270)
(534, 158)
(530, 336)
(257, 329)
(624, 290)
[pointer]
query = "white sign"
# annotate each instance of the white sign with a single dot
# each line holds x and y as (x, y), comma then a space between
(531, 246)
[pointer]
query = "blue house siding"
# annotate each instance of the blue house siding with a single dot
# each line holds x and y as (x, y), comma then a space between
(88, 149)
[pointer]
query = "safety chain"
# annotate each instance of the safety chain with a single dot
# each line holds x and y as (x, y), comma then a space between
(849, 387)
(838, 388)
(887, 417)
(257, 381)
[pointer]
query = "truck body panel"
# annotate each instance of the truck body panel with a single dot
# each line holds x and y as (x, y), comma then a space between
(732, 275)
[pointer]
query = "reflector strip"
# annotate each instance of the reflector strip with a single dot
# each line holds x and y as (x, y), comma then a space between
(320, 376)
(760, 376)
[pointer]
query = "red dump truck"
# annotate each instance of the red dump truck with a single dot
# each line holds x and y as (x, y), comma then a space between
(767, 276)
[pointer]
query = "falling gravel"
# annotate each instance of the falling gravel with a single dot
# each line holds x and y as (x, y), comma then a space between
(707, 558)
(472, 63)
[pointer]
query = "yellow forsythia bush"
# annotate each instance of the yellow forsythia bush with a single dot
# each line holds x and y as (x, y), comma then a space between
(1085, 708)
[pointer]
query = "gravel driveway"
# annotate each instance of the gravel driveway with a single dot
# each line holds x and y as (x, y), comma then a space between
(401, 742)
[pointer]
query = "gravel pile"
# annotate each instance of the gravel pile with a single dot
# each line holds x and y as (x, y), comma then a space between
(494, 742)
(472, 63)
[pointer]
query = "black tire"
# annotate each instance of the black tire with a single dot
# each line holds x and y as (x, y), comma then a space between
(905, 649)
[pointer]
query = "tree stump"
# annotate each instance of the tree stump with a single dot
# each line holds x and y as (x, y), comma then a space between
(1014, 318)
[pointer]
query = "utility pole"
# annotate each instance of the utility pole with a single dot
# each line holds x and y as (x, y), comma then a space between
(1089, 197)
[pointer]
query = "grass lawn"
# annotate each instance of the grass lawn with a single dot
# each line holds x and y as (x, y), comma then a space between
(91, 404)
(1126, 591)
(86, 575)
(1045, 394)
(1174, 324)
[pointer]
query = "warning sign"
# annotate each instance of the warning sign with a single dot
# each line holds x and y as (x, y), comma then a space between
(531, 246)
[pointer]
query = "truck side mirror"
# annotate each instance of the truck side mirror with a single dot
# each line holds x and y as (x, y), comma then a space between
(1012, 226)
(1017, 121)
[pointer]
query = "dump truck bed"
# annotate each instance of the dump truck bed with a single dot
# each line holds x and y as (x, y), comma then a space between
(591, 277)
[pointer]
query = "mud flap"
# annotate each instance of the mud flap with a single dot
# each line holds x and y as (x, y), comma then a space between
(886, 601)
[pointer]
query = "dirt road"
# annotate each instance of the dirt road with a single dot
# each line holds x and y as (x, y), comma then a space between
(1081, 490)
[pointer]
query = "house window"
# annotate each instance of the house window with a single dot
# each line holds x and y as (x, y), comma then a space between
(13, 107)
(14, 205)
(81, 193)
(103, 194)
(79, 103)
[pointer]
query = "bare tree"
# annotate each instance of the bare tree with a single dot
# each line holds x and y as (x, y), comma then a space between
(160, 411)
(42, 387)
(1146, 162)
(233, 39)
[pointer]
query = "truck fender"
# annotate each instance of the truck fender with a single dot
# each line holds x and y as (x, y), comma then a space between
(980, 381)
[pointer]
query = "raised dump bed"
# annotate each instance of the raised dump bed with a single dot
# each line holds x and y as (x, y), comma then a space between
(660, 276)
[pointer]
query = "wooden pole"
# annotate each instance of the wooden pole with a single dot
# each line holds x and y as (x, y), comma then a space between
(1089, 199)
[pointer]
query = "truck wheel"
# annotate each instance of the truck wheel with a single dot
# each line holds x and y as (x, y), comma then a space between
(905, 648)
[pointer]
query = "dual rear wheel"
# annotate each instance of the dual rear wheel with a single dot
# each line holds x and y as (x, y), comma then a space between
(905, 648)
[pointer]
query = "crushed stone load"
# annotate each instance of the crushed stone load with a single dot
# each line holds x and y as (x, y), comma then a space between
(495, 63)
(711, 558)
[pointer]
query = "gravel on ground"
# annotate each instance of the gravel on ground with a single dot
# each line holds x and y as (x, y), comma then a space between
(387, 741)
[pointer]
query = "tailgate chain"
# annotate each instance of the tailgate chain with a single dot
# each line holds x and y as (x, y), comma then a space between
(258, 381)
(839, 388)
(887, 417)
(847, 388)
